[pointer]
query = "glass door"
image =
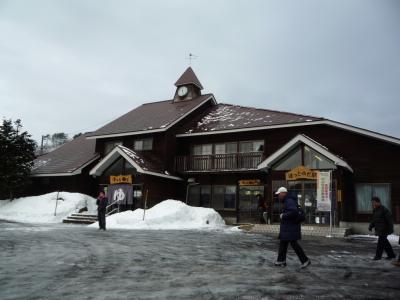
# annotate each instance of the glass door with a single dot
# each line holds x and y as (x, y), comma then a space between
(248, 203)
(306, 193)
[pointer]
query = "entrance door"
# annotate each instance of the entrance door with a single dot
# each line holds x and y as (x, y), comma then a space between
(248, 203)
(306, 191)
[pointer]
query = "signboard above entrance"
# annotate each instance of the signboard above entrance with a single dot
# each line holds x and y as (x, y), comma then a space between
(301, 172)
(121, 179)
(250, 182)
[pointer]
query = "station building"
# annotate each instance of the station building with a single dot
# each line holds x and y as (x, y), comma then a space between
(228, 157)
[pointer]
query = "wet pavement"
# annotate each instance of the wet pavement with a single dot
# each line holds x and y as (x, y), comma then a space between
(75, 262)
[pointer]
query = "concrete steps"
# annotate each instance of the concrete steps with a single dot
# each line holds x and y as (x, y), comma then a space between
(307, 230)
(79, 218)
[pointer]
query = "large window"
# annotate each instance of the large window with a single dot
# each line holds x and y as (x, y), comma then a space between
(200, 195)
(291, 161)
(251, 146)
(364, 193)
(205, 149)
(304, 156)
(314, 160)
(224, 197)
(109, 146)
(143, 144)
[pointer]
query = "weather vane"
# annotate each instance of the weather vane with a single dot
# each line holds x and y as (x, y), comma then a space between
(191, 57)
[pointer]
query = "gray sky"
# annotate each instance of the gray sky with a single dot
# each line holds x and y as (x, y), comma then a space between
(73, 66)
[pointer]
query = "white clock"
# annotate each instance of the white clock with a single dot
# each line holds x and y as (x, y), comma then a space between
(182, 91)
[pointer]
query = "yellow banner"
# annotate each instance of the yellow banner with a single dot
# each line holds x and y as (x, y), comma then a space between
(250, 182)
(301, 172)
(121, 179)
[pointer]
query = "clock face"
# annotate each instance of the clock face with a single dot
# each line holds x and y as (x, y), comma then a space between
(182, 91)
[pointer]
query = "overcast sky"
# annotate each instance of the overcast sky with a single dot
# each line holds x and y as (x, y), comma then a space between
(73, 66)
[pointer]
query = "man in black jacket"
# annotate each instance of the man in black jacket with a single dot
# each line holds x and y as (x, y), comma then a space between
(102, 202)
(290, 230)
(383, 223)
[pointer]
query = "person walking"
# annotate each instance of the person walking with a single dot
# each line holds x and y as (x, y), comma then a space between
(383, 223)
(397, 262)
(290, 230)
(102, 202)
(262, 209)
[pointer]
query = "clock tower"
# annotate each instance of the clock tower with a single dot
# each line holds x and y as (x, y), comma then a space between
(188, 86)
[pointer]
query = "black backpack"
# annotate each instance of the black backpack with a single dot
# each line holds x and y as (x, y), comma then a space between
(301, 215)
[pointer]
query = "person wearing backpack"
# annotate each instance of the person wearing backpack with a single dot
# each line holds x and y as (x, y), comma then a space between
(290, 229)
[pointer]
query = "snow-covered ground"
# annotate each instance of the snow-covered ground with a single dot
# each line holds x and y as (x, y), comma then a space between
(40, 209)
(169, 214)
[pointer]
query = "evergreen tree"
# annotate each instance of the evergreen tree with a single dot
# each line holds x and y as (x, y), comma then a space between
(17, 152)
(59, 138)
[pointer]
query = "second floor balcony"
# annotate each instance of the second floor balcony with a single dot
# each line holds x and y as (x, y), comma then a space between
(218, 162)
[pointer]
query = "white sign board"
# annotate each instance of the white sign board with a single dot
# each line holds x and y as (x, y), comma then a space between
(323, 191)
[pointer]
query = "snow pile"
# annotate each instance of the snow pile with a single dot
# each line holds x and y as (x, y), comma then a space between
(169, 214)
(40, 209)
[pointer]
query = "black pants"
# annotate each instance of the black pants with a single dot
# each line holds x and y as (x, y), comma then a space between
(383, 244)
(283, 246)
(101, 216)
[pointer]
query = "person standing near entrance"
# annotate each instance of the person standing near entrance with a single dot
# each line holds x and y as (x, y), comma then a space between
(102, 202)
(290, 230)
(383, 223)
(262, 209)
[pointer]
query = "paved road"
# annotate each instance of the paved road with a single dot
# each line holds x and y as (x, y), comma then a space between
(73, 262)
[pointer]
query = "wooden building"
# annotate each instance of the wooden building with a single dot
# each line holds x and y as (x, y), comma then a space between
(229, 157)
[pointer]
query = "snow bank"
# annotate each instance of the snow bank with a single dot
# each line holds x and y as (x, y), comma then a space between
(169, 214)
(40, 209)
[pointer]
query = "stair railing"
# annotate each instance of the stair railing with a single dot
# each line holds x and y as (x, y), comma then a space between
(116, 209)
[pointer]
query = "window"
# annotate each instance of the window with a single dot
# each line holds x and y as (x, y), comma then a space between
(290, 161)
(314, 160)
(109, 146)
(200, 195)
(205, 149)
(143, 144)
(225, 157)
(200, 159)
(220, 148)
(365, 191)
(224, 197)
(251, 146)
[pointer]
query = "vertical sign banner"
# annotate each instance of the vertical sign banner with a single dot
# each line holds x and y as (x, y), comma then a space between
(323, 191)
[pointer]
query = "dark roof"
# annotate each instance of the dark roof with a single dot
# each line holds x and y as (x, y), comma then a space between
(229, 117)
(150, 116)
(189, 77)
(68, 158)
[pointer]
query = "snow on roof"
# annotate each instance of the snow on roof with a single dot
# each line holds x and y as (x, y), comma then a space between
(227, 116)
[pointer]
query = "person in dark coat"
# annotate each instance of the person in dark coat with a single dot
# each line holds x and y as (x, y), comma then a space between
(397, 262)
(262, 209)
(383, 223)
(290, 230)
(102, 203)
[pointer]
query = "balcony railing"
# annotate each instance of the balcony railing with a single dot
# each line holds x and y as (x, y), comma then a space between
(218, 162)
